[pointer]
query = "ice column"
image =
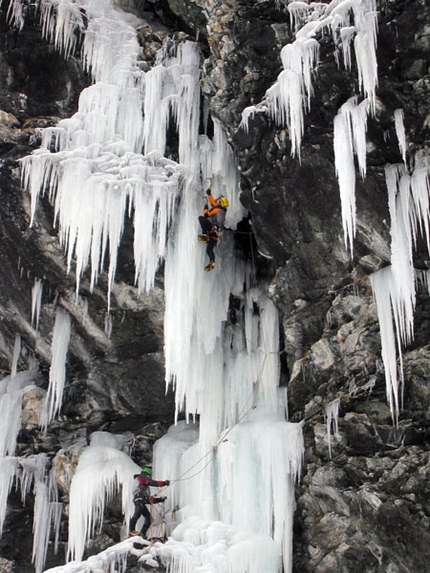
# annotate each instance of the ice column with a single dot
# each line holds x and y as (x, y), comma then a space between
(16, 353)
(383, 285)
(11, 391)
(8, 467)
(34, 477)
(349, 140)
(400, 132)
(57, 371)
(102, 471)
(36, 302)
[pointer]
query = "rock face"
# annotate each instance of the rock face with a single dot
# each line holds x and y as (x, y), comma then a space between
(362, 504)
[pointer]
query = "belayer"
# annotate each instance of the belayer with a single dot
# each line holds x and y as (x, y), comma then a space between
(142, 496)
(212, 223)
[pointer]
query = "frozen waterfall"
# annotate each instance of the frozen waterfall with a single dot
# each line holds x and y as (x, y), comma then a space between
(233, 473)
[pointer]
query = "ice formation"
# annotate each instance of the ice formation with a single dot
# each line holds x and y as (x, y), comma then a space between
(97, 154)
(332, 420)
(349, 22)
(57, 371)
(36, 302)
(383, 283)
(349, 140)
(103, 470)
(400, 131)
(15, 356)
(33, 477)
(394, 286)
(11, 392)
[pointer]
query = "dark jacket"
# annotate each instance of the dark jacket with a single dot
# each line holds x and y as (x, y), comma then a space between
(143, 493)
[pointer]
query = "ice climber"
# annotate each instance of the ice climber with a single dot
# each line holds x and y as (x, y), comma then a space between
(212, 223)
(142, 496)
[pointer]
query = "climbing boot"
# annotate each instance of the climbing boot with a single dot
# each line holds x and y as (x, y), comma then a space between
(210, 266)
(203, 238)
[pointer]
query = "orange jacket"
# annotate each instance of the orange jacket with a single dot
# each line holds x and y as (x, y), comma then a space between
(215, 208)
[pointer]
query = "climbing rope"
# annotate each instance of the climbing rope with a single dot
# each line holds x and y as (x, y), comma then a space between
(245, 410)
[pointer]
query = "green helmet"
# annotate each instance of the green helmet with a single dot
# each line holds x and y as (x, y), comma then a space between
(147, 470)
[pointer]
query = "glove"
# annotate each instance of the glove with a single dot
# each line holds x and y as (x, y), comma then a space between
(166, 482)
(208, 192)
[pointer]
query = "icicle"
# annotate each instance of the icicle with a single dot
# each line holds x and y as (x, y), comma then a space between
(332, 414)
(93, 186)
(36, 302)
(101, 472)
(400, 132)
(247, 114)
(10, 414)
(57, 372)
(420, 189)
(62, 24)
(33, 471)
(91, 159)
(366, 21)
(349, 138)
(347, 33)
(298, 11)
(16, 14)
(400, 204)
(41, 526)
(290, 96)
(264, 442)
(345, 171)
(16, 354)
(384, 291)
(409, 211)
(8, 468)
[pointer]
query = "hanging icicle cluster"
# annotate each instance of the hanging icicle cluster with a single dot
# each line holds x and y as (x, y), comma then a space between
(394, 286)
(91, 167)
(349, 22)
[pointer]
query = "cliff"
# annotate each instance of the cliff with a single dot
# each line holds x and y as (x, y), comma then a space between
(362, 503)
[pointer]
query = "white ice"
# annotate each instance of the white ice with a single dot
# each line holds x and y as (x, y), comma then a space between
(11, 392)
(57, 372)
(103, 471)
(351, 22)
(36, 302)
(384, 290)
(350, 141)
(400, 132)
(113, 558)
(225, 373)
(16, 355)
(8, 466)
(394, 286)
(97, 152)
